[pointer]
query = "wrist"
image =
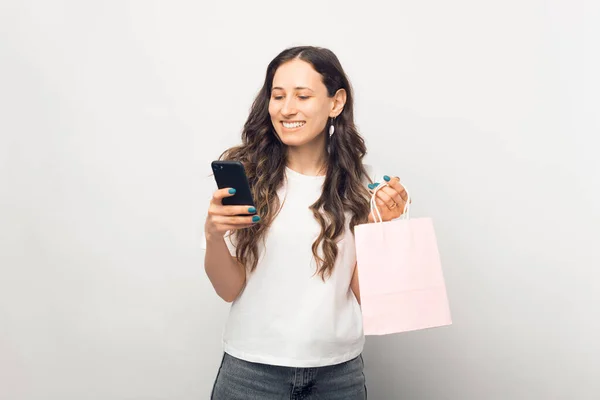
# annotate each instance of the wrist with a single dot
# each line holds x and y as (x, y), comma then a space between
(213, 236)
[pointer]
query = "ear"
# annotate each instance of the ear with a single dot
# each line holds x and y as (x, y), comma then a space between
(338, 103)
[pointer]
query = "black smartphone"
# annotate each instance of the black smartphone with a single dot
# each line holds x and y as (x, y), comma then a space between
(231, 174)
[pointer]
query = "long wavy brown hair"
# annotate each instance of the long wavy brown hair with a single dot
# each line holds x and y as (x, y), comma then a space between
(264, 158)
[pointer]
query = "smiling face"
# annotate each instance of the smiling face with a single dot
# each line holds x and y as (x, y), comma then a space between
(299, 105)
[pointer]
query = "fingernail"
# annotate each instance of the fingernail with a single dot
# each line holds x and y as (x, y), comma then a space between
(252, 210)
(375, 184)
(256, 218)
(231, 191)
(370, 186)
(387, 178)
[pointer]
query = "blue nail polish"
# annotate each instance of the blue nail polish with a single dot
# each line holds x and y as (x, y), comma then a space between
(387, 178)
(232, 191)
(375, 184)
(251, 210)
(370, 186)
(256, 218)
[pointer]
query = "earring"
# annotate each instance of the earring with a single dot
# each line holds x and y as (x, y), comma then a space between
(331, 127)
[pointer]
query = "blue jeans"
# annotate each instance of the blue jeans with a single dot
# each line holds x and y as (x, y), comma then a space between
(239, 379)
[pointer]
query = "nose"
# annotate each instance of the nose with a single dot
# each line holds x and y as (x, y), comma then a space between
(289, 107)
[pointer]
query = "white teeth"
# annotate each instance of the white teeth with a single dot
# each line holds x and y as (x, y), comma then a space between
(293, 124)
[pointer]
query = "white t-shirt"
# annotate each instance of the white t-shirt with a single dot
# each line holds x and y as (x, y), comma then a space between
(286, 315)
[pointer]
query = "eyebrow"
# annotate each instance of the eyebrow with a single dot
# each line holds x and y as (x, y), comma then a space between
(296, 88)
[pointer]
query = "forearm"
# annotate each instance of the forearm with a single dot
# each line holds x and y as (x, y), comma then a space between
(225, 273)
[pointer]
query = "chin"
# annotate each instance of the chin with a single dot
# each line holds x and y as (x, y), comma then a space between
(292, 140)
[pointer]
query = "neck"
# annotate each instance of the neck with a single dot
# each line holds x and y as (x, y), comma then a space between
(309, 159)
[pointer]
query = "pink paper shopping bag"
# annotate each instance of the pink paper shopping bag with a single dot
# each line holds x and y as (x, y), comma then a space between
(400, 276)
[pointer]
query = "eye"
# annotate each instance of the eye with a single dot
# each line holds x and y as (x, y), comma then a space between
(277, 97)
(303, 97)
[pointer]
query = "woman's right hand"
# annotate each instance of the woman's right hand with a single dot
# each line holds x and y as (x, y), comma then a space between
(222, 218)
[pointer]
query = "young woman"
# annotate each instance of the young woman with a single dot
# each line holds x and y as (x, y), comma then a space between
(289, 264)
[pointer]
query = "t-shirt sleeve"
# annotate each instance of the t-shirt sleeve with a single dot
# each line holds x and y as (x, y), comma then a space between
(208, 187)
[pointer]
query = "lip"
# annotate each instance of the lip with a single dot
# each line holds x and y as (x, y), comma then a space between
(291, 122)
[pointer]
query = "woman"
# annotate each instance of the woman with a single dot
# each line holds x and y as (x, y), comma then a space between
(289, 264)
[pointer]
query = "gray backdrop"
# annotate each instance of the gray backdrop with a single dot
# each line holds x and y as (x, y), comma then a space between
(110, 112)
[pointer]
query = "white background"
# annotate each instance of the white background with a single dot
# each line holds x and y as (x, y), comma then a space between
(110, 113)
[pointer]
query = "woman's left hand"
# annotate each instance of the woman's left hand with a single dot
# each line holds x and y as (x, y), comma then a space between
(390, 199)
